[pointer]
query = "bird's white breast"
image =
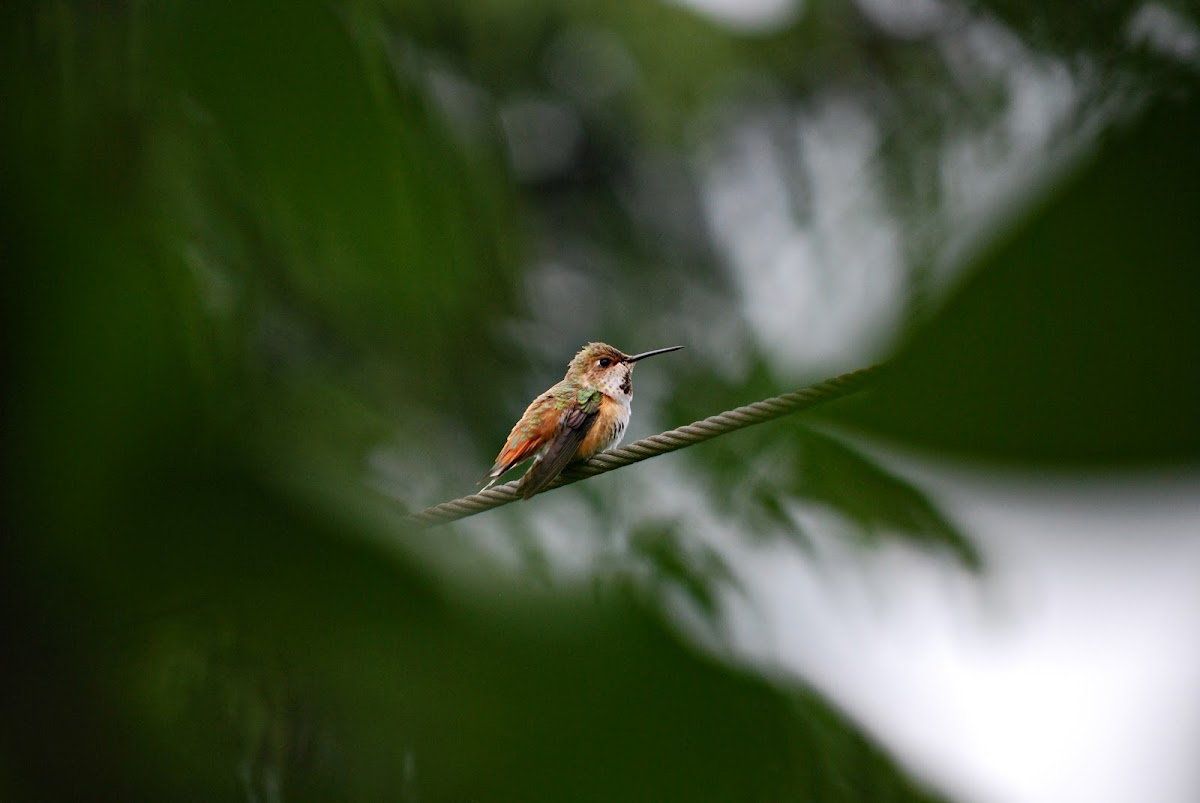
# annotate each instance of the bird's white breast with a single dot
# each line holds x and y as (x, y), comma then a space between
(619, 390)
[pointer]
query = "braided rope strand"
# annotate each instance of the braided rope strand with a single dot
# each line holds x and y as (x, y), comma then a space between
(670, 441)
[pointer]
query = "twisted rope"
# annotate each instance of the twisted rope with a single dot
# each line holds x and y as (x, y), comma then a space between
(697, 432)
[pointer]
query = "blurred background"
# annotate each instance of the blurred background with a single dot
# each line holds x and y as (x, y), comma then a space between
(277, 274)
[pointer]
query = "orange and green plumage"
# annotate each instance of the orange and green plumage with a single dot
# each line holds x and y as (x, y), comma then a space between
(579, 417)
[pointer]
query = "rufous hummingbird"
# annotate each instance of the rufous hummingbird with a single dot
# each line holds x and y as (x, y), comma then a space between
(581, 416)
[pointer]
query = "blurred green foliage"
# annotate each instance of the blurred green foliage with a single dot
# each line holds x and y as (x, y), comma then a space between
(246, 246)
(1072, 340)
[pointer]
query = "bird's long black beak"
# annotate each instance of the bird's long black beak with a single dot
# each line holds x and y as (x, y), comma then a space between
(646, 354)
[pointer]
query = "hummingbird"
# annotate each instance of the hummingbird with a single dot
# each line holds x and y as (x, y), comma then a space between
(581, 416)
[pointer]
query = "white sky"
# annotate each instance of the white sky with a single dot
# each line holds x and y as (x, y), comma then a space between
(748, 16)
(1070, 671)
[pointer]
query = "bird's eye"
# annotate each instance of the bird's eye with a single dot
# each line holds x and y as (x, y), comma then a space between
(604, 362)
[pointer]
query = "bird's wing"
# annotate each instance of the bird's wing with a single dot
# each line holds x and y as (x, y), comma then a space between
(573, 426)
(523, 442)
